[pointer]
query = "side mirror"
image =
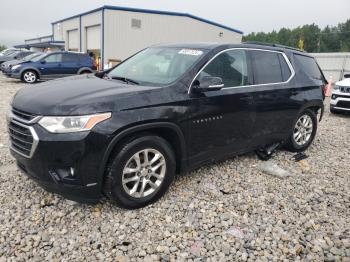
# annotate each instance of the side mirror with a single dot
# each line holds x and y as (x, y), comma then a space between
(208, 83)
(43, 62)
(347, 76)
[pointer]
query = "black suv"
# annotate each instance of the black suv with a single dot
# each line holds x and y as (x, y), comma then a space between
(127, 131)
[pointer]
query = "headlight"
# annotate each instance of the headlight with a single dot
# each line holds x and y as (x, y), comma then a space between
(16, 67)
(336, 87)
(70, 124)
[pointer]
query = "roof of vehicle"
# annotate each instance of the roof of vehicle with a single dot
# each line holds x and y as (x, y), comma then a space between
(67, 52)
(255, 45)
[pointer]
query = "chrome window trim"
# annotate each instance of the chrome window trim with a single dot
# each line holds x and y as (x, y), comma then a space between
(254, 49)
(35, 140)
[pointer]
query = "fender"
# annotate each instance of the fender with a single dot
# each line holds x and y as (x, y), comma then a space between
(84, 69)
(30, 68)
(313, 103)
(139, 128)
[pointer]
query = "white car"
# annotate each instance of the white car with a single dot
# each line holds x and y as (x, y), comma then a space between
(340, 99)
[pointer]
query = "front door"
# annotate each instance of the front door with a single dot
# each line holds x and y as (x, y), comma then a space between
(51, 66)
(221, 121)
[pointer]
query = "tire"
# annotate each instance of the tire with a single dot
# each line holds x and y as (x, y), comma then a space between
(85, 72)
(294, 144)
(29, 77)
(123, 168)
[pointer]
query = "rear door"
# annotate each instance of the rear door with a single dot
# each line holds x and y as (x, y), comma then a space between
(70, 64)
(273, 97)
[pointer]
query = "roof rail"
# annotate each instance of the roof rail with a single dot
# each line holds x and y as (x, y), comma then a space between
(273, 45)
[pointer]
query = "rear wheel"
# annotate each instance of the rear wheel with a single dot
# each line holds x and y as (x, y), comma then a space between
(141, 172)
(29, 77)
(304, 132)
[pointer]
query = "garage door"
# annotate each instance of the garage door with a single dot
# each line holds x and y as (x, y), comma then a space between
(73, 40)
(93, 38)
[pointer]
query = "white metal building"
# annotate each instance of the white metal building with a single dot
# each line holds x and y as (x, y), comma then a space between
(114, 33)
(334, 65)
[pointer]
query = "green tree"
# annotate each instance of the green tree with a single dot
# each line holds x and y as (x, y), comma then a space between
(2, 47)
(329, 39)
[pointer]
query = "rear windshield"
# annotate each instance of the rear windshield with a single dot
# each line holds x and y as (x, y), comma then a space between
(309, 66)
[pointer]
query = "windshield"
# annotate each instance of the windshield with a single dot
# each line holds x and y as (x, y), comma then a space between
(157, 66)
(38, 58)
(31, 56)
(12, 55)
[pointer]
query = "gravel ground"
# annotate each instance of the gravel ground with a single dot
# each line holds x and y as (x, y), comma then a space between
(229, 211)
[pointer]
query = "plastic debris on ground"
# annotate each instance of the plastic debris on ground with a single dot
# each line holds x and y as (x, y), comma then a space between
(236, 232)
(273, 169)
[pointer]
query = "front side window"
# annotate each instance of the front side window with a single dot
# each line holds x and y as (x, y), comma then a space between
(157, 66)
(56, 58)
(269, 67)
(230, 66)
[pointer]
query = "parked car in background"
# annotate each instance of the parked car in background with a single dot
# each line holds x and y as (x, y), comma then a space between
(168, 109)
(340, 99)
(15, 55)
(53, 65)
(6, 66)
(8, 51)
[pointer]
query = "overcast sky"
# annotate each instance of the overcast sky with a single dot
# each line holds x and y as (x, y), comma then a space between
(23, 19)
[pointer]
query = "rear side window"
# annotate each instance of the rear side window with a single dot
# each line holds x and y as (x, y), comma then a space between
(269, 67)
(70, 58)
(309, 66)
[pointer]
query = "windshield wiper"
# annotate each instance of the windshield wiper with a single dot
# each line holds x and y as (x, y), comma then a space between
(125, 79)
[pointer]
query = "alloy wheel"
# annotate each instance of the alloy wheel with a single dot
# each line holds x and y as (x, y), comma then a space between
(303, 130)
(29, 77)
(143, 173)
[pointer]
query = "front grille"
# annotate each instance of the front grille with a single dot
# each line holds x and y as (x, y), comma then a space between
(344, 104)
(344, 89)
(23, 116)
(21, 138)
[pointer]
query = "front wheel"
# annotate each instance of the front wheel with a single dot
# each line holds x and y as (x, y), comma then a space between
(304, 132)
(141, 172)
(29, 77)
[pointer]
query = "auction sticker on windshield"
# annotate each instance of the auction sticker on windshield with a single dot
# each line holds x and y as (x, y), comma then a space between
(190, 52)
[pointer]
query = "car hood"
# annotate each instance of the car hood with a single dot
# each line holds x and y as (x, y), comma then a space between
(80, 95)
(5, 58)
(12, 62)
(344, 82)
